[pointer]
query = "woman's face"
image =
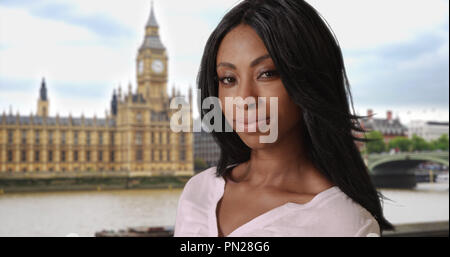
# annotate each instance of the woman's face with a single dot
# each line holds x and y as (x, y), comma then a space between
(245, 69)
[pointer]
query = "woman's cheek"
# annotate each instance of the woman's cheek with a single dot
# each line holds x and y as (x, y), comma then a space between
(227, 112)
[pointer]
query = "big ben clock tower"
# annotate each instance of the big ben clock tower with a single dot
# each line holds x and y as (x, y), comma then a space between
(151, 65)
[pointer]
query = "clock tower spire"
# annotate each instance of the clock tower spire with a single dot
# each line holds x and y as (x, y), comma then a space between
(151, 63)
(43, 100)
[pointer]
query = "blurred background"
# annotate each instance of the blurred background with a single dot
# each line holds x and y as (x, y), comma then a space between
(85, 143)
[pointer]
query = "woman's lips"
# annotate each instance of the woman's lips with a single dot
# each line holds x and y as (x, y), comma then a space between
(252, 126)
(249, 117)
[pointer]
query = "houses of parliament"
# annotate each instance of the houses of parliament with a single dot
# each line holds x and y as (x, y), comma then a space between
(134, 136)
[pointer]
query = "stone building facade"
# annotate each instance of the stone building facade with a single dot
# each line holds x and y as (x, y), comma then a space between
(135, 135)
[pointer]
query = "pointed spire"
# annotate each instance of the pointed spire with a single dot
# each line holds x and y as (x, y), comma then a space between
(43, 91)
(152, 39)
(130, 94)
(119, 95)
(114, 103)
(152, 19)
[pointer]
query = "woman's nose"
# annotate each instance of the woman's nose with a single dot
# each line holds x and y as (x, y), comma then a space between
(248, 93)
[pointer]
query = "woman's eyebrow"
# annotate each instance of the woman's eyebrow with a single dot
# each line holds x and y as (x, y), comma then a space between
(252, 64)
(226, 64)
(258, 60)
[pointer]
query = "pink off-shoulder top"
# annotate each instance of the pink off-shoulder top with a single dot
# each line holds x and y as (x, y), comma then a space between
(329, 213)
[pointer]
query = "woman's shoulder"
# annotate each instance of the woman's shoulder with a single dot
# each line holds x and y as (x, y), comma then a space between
(336, 214)
(195, 203)
(346, 214)
(201, 183)
(203, 177)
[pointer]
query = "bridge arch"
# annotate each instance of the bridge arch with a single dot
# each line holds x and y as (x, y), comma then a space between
(437, 157)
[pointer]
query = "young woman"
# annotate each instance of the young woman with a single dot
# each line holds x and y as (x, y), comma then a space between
(311, 181)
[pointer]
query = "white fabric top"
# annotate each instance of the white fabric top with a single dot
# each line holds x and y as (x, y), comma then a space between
(329, 213)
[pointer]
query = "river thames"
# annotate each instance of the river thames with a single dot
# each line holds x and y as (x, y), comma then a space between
(84, 213)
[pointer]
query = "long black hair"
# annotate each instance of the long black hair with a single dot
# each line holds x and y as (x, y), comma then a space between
(309, 60)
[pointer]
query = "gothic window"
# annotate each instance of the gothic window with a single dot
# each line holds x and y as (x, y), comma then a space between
(182, 155)
(63, 156)
(88, 156)
(88, 137)
(182, 138)
(139, 117)
(63, 137)
(75, 137)
(50, 137)
(75, 156)
(36, 156)
(100, 138)
(111, 156)
(23, 156)
(10, 136)
(100, 156)
(24, 137)
(50, 156)
(139, 155)
(138, 139)
(10, 156)
(36, 137)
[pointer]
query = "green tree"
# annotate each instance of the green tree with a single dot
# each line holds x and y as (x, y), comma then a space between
(441, 143)
(404, 144)
(376, 145)
(420, 144)
(200, 164)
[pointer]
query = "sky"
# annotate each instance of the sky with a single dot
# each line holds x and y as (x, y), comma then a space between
(396, 52)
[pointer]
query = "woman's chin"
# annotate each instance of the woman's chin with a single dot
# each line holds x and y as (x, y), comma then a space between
(253, 140)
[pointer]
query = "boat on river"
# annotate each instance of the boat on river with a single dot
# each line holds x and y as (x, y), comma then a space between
(162, 231)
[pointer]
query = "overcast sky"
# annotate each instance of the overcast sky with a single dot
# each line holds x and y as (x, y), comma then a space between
(396, 52)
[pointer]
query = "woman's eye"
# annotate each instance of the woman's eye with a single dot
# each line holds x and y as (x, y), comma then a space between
(268, 74)
(227, 80)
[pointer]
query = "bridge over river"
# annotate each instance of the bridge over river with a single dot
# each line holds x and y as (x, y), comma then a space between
(396, 170)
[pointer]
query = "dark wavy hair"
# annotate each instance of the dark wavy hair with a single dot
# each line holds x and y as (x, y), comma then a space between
(309, 60)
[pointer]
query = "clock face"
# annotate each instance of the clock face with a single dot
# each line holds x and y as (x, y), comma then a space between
(157, 66)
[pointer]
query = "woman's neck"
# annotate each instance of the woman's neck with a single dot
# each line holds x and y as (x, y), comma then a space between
(277, 163)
